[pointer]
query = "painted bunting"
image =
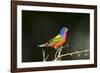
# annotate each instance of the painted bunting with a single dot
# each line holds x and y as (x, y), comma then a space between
(58, 40)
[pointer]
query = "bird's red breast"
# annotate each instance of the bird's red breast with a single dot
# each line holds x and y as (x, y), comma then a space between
(60, 42)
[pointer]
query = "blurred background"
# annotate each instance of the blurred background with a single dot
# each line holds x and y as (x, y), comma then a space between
(38, 27)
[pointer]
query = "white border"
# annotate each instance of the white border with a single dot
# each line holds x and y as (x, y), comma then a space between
(57, 63)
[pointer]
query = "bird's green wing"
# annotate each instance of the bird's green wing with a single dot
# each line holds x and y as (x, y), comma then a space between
(55, 39)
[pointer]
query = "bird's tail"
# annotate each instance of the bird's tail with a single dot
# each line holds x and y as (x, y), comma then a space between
(43, 45)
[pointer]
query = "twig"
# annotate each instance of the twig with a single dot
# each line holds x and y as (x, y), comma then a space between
(71, 53)
(58, 53)
(43, 55)
(44, 58)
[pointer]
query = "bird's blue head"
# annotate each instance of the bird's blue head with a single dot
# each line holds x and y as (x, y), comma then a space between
(63, 29)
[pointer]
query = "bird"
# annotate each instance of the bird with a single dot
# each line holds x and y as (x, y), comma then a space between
(57, 41)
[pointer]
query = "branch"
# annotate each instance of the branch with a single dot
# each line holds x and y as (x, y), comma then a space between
(58, 53)
(44, 58)
(77, 52)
